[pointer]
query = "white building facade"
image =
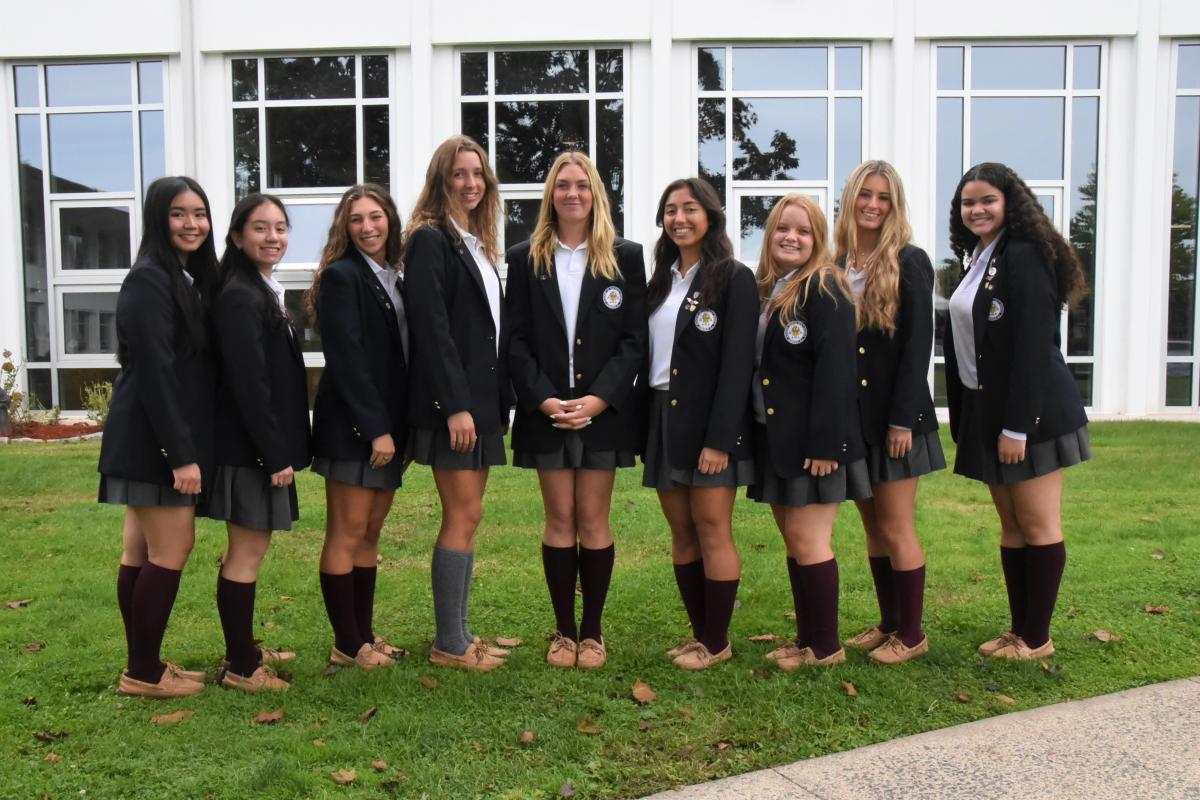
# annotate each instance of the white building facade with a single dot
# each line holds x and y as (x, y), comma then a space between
(1095, 104)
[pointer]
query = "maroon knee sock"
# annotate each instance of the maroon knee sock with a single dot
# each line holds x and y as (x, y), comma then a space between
(719, 597)
(561, 565)
(338, 591)
(364, 601)
(885, 592)
(595, 574)
(1012, 561)
(793, 567)
(1044, 566)
(153, 598)
(690, 580)
(235, 606)
(910, 603)
(126, 580)
(820, 582)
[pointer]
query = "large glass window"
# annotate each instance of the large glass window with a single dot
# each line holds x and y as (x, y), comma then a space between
(1182, 362)
(527, 106)
(777, 119)
(90, 138)
(1036, 108)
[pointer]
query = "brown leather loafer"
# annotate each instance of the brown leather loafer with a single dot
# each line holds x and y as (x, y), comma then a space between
(592, 655)
(682, 647)
(895, 651)
(491, 649)
(805, 657)
(366, 658)
(992, 645)
(869, 639)
(196, 675)
(262, 679)
(171, 684)
(473, 660)
(388, 649)
(563, 652)
(789, 650)
(1019, 651)
(272, 656)
(699, 658)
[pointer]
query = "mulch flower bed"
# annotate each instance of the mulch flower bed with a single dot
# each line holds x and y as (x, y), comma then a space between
(44, 431)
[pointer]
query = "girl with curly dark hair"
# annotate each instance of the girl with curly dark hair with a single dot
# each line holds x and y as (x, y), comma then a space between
(1015, 411)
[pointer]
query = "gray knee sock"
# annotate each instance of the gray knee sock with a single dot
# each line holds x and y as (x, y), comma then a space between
(448, 571)
(466, 596)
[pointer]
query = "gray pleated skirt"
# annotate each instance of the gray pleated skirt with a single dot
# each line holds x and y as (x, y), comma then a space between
(847, 482)
(126, 492)
(360, 473)
(658, 473)
(574, 454)
(975, 456)
(432, 448)
(926, 456)
(245, 496)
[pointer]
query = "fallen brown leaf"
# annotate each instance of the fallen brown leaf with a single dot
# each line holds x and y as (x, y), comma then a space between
(268, 717)
(318, 742)
(176, 716)
(508, 641)
(49, 737)
(1153, 609)
(366, 715)
(962, 698)
(527, 737)
(52, 757)
(642, 693)
(285, 598)
(723, 745)
(645, 724)
(379, 766)
(34, 647)
(1102, 635)
(30, 701)
(849, 687)
(586, 726)
(976, 578)
(789, 615)
(429, 682)
(344, 776)
(1158, 555)
(477, 745)
(19, 603)
(1008, 701)
(566, 790)
(763, 637)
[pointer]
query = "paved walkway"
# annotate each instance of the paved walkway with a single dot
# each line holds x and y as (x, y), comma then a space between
(1141, 743)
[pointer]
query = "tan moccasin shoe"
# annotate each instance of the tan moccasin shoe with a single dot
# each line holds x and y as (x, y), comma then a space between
(196, 675)
(262, 679)
(895, 651)
(789, 650)
(171, 684)
(473, 660)
(700, 658)
(992, 645)
(563, 652)
(1017, 650)
(367, 658)
(592, 655)
(388, 649)
(869, 639)
(682, 647)
(805, 657)
(272, 656)
(491, 649)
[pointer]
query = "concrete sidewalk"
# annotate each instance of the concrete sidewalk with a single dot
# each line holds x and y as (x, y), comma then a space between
(1141, 743)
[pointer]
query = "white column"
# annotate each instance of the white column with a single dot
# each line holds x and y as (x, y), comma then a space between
(12, 262)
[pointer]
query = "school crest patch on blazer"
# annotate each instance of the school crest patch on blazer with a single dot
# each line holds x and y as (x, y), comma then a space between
(795, 332)
(706, 319)
(613, 297)
(996, 310)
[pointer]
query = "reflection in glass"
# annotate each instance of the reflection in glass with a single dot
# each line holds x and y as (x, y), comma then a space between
(1018, 67)
(541, 71)
(950, 68)
(94, 237)
(530, 134)
(154, 152)
(780, 138)
(71, 383)
(33, 237)
(90, 321)
(25, 82)
(309, 78)
(1083, 380)
(310, 228)
(520, 216)
(91, 152)
(1047, 203)
(376, 146)
(1179, 384)
(948, 270)
(475, 122)
(753, 221)
(711, 125)
(309, 147)
(1023, 132)
(710, 69)
(473, 73)
(38, 382)
(610, 156)
(88, 84)
(245, 79)
(306, 334)
(375, 76)
(1185, 195)
(1082, 194)
(939, 385)
(245, 151)
(1189, 67)
(610, 71)
(847, 68)
(765, 68)
(150, 81)
(1086, 70)
(847, 141)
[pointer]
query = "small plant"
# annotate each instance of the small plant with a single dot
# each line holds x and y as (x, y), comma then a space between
(54, 416)
(10, 376)
(96, 397)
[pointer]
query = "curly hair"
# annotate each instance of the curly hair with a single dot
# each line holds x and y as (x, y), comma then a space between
(1024, 219)
(716, 251)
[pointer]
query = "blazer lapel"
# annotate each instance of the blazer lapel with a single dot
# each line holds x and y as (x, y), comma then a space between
(690, 304)
(468, 262)
(982, 307)
(549, 283)
(587, 295)
(379, 293)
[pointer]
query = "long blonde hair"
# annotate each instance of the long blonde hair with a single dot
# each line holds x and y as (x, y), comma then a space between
(880, 301)
(819, 267)
(601, 234)
(433, 205)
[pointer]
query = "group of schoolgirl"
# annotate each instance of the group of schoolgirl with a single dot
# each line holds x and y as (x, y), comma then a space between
(805, 381)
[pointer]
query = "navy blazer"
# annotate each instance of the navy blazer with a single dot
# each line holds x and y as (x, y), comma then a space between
(893, 370)
(610, 346)
(709, 393)
(807, 375)
(1025, 384)
(454, 359)
(262, 396)
(364, 387)
(160, 415)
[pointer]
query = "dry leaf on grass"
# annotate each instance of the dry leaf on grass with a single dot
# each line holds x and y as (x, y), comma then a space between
(34, 647)
(642, 693)
(566, 790)
(30, 701)
(1158, 555)
(268, 717)
(52, 757)
(429, 682)
(49, 737)
(177, 716)
(366, 715)
(763, 637)
(19, 603)
(1008, 701)
(318, 742)
(962, 698)
(1102, 635)
(789, 615)
(344, 776)
(976, 578)
(645, 724)
(477, 745)
(379, 766)
(849, 687)
(1154, 609)
(586, 726)
(527, 737)
(285, 598)
(508, 641)
(722, 745)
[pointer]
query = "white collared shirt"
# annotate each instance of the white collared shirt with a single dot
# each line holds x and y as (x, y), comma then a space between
(858, 281)
(276, 287)
(569, 266)
(390, 280)
(487, 271)
(662, 326)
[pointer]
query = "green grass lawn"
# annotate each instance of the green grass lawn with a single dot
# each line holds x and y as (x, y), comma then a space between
(1132, 519)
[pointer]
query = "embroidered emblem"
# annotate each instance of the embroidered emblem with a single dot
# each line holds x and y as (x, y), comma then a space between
(613, 297)
(795, 332)
(706, 319)
(996, 311)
